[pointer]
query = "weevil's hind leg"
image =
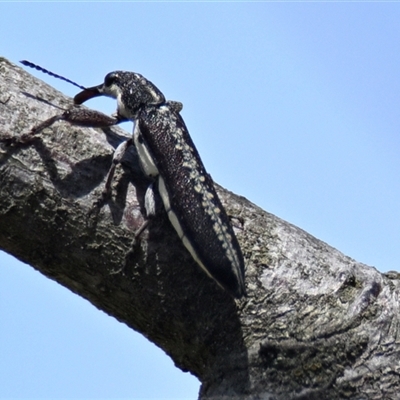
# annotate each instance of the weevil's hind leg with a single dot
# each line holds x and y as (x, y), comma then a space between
(151, 211)
(151, 207)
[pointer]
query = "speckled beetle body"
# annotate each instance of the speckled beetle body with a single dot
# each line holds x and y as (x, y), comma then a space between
(169, 157)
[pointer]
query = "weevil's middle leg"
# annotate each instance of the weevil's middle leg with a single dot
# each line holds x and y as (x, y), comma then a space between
(106, 192)
(151, 208)
(117, 157)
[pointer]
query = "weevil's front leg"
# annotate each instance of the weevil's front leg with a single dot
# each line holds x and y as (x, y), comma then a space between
(28, 137)
(38, 128)
(76, 116)
(80, 117)
(90, 118)
(95, 119)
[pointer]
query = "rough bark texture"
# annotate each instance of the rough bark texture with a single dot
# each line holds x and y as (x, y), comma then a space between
(316, 324)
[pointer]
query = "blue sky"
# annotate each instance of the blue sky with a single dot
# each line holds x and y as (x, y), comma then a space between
(293, 105)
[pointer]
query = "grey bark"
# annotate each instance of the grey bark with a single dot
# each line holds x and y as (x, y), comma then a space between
(315, 325)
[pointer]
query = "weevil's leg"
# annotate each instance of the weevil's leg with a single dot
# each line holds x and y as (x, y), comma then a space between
(27, 137)
(106, 193)
(150, 205)
(45, 124)
(75, 116)
(91, 118)
(117, 157)
(239, 219)
(95, 119)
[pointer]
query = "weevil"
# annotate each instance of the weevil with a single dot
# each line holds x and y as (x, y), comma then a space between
(169, 157)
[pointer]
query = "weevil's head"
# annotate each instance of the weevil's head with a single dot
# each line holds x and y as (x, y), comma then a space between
(131, 90)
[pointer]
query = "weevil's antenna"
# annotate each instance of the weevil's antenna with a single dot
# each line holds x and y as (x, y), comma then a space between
(32, 65)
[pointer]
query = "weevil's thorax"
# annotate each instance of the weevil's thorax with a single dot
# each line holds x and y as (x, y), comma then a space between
(132, 92)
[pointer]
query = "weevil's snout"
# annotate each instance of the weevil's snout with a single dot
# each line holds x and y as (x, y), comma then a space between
(88, 93)
(110, 88)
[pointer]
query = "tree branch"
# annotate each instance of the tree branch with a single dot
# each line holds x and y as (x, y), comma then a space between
(316, 324)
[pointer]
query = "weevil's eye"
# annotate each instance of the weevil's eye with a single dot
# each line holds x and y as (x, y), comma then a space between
(110, 79)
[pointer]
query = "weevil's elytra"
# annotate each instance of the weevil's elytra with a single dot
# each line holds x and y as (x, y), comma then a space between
(207, 232)
(168, 155)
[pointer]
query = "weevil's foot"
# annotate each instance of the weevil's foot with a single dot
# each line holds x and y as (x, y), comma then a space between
(28, 137)
(13, 141)
(136, 238)
(9, 141)
(97, 205)
(135, 244)
(131, 252)
(236, 221)
(101, 201)
(94, 212)
(105, 195)
(140, 231)
(134, 249)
